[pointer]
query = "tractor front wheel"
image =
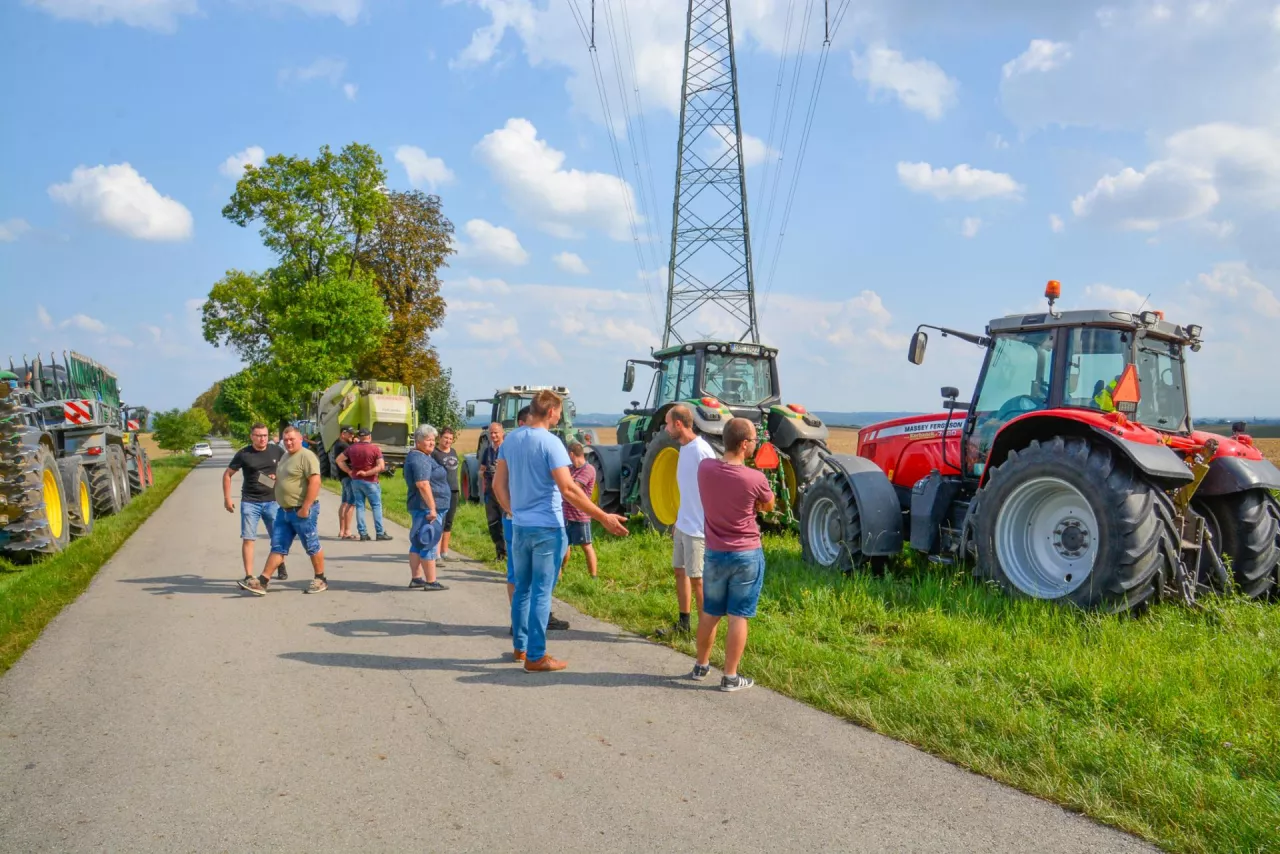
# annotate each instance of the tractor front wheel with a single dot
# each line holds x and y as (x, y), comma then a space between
(104, 488)
(1246, 529)
(1067, 520)
(44, 525)
(659, 490)
(831, 526)
(328, 468)
(75, 487)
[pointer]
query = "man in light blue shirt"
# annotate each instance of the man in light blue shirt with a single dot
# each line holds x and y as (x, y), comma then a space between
(531, 483)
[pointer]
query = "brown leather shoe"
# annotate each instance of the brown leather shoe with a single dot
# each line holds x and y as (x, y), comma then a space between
(517, 656)
(546, 664)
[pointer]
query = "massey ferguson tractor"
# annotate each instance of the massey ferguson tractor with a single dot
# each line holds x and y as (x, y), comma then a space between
(718, 381)
(1074, 475)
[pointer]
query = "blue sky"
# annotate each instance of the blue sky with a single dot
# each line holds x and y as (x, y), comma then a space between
(962, 153)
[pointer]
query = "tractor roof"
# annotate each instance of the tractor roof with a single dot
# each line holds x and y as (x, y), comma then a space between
(740, 347)
(531, 390)
(1094, 317)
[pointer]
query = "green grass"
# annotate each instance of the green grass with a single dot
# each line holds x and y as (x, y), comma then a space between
(1167, 726)
(32, 595)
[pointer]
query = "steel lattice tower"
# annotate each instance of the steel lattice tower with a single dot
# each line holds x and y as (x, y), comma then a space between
(710, 237)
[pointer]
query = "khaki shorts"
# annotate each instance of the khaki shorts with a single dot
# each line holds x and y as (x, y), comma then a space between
(687, 552)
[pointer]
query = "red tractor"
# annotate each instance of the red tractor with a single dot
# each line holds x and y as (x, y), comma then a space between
(1073, 476)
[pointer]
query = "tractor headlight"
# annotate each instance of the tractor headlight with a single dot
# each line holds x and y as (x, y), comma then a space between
(1149, 318)
(1193, 331)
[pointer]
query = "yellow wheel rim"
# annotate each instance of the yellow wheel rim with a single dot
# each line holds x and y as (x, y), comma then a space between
(789, 478)
(664, 489)
(52, 503)
(595, 492)
(86, 506)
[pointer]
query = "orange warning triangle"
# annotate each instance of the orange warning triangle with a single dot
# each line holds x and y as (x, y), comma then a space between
(767, 457)
(1126, 390)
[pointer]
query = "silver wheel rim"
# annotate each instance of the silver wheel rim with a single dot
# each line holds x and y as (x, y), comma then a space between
(1046, 538)
(825, 531)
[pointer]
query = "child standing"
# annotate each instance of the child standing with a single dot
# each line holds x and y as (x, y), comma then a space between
(576, 523)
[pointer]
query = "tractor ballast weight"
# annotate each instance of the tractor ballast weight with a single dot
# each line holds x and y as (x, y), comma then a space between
(717, 381)
(388, 410)
(1074, 475)
(504, 408)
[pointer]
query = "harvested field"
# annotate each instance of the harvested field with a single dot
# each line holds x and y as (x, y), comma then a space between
(154, 451)
(1270, 447)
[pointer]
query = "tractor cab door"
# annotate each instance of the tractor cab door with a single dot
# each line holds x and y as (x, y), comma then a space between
(506, 409)
(676, 379)
(1015, 380)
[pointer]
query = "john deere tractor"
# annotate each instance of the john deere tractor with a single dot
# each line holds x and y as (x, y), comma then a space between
(504, 408)
(1074, 475)
(388, 410)
(718, 381)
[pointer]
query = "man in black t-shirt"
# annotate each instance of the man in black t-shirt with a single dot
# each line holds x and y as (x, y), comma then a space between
(346, 510)
(257, 464)
(446, 456)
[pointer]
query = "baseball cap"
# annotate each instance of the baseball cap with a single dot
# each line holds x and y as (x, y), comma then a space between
(347, 428)
(364, 433)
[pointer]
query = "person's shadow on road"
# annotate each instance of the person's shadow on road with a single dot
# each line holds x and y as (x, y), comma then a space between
(398, 628)
(170, 585)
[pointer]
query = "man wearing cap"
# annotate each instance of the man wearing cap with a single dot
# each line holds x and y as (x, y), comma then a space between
(363, 462)
(347, 509)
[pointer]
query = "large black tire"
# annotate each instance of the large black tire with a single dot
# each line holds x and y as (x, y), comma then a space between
(1104, 538)
(75, 487)
(1246, 533)
(104, 487)
(831, 526)
(806, 459)
(327, 467)
(43, 528)
(116, 455)
(659, 492)
(138, 465)
(609, 502)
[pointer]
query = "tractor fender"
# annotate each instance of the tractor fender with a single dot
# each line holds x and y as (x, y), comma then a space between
(609, 458)
(471, 463)
(1156, 460)
(706, 422)
(1229, 475)
(785, 429)
(879, 510)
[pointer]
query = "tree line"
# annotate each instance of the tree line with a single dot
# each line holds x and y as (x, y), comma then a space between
(354, 291)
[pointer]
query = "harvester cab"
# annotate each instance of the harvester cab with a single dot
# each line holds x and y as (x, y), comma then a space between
(504, 408)
(1074, 474)
(717, 380)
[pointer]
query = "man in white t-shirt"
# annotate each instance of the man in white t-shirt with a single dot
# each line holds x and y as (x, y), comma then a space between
(687, 540)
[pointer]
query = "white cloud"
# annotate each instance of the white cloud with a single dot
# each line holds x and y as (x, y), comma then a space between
(330, 69)
(350, 90)
(1056, 224)
(546, 351)
(12, 229)
(1275, 18)
(1041, 55)
(970, 226)
(1163, 193)
(347, 11)
(84, 323)
(998, 142)
(118, 198)
(492, 243)
(962, 182)
(919, 84)
(156, 333)
(117, 340)
(42, 315)
(234, 166)
(160, 15)
(754, 149)
(1236, 282)
(422, 168)
(571, 263)
(1106, 296)
(497, 331)
(561, 201)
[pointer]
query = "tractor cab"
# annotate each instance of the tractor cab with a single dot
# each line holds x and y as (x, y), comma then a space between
(505, 405)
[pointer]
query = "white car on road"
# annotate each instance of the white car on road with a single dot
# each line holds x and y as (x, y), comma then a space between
(202, 449)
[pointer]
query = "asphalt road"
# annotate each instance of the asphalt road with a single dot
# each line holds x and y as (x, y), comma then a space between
(167, 711)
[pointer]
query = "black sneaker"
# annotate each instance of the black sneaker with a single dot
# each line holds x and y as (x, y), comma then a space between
(282, 573)
(384, 538)
(677, 630)
(417, 583)
(364, 538)
(434, 585)
(735, 683)
(555, 624)
(700, 671)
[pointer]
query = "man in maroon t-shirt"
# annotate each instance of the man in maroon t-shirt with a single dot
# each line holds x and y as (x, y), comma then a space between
(733, 571)
(363, 461)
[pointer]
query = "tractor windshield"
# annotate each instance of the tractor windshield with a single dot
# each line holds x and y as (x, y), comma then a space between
(1163, 404)
(738, 380)
(1096, 357)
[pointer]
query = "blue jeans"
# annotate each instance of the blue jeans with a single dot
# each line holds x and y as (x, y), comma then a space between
(289, 525)
(538, 554)
(360, 491)
(506, 536)
(253, 511)
(424, 536)
(731, 583)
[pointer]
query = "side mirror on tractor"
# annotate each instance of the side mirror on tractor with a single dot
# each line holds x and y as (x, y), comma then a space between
(629, 378)
(919, 341)
(471, 410)
(571, 409)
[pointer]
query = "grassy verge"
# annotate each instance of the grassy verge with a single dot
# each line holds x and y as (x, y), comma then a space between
(31, 596)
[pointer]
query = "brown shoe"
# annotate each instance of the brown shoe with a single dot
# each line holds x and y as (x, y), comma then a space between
(518, 656)
(546, 664)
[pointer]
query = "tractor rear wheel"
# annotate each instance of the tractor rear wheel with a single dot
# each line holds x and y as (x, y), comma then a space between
(118, 460)
(43, 526)
(831, 526)
(327, 467)
(104, 488)
(1068, 520)
(659, 491)
(138, 467)
(75, 487)
(1246, 529)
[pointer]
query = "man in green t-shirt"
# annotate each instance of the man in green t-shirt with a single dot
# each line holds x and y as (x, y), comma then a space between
(297, 492)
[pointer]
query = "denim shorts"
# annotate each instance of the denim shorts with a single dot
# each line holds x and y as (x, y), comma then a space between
(579, 532)
(731, 583)
(253, 511)
(424, 536)
(348, 492)
(289, 526)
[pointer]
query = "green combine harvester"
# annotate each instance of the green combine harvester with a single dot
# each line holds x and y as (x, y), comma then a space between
(388, 410)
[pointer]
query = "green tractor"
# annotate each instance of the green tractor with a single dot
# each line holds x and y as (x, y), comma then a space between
(505, 406)
(388, 410)
(718, 381)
